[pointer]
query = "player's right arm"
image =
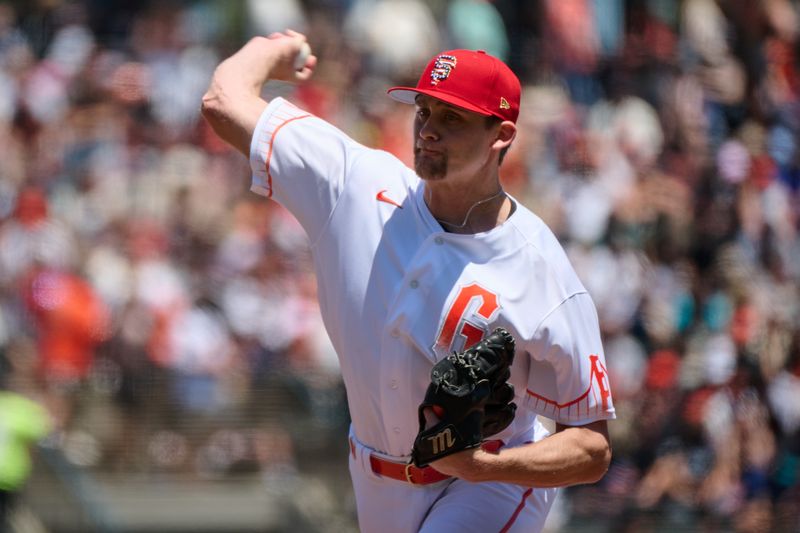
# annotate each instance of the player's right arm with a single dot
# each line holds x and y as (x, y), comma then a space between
(233, 104)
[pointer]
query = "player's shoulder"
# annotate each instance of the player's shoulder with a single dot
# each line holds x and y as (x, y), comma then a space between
(534, 231)
(547, 251)
(366, 162)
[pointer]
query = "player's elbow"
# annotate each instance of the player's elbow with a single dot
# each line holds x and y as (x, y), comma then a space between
(213, 106)
(232, 116)
(600, 459)
(594, 444)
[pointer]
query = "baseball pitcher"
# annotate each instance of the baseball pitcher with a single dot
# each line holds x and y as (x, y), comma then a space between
(455, 313)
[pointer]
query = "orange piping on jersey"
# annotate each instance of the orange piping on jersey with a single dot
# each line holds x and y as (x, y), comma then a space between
(517, 511)
(598, 373)
(269, 152)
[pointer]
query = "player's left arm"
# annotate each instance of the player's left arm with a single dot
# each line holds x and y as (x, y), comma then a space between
(568, 383)
(570, 456)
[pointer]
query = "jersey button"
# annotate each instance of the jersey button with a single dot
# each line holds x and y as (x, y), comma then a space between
(393, 384)
(438, 240)
(396, 430)
(414, 284)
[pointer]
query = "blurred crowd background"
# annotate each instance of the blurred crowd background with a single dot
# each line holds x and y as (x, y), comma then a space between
(158, 321)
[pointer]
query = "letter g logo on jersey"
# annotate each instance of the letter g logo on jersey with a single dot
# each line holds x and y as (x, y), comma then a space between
(469, 315)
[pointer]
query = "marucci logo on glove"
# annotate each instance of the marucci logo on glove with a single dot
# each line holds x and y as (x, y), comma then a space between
(442, 440)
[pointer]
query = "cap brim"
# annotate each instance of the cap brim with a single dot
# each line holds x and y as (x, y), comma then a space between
(408, 95)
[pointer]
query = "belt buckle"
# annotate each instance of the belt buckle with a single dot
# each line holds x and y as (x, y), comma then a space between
(407, 472)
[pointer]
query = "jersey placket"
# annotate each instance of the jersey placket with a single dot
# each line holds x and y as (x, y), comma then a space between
(401, 390)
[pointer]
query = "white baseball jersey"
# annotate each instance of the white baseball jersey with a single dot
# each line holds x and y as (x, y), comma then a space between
(398, 293)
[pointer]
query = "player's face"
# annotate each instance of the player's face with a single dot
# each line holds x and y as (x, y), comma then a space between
(449, 140)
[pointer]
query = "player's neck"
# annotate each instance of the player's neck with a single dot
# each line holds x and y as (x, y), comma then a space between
(468, 210)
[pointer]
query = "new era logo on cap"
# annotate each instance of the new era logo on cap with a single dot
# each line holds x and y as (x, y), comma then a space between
(469, 79)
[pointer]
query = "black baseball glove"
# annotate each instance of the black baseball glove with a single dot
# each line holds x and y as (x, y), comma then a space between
(470, 395)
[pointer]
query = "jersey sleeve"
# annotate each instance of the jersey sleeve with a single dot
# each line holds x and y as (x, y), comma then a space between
(300, 161)
(567, 379)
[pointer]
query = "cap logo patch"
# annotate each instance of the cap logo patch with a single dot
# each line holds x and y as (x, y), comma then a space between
(504, 103)
(442, 68)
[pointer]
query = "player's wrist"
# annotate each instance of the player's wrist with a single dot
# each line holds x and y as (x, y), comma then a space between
(281, 56)
(251, 67)
(474, 465)
(484, 465)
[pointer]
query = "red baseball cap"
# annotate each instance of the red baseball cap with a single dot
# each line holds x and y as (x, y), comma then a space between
(472, 80)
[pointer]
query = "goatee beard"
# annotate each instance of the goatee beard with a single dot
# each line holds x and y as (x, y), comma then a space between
(428, 168)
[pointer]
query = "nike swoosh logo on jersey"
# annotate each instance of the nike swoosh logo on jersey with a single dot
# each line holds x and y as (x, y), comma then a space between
(383, 198)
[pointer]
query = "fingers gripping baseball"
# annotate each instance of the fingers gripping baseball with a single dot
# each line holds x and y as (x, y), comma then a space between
(302, 57)
(467, 400)
(296, 61)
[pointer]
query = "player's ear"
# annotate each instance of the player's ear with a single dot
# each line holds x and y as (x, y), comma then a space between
(505, 135)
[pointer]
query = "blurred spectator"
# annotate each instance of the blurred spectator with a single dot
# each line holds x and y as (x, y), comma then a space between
(23, 422)
(70, 322)
(31, 236)
(476, 25)
(277, 15)
(393, 36)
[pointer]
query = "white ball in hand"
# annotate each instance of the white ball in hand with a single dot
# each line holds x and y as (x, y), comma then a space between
(302, 56)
